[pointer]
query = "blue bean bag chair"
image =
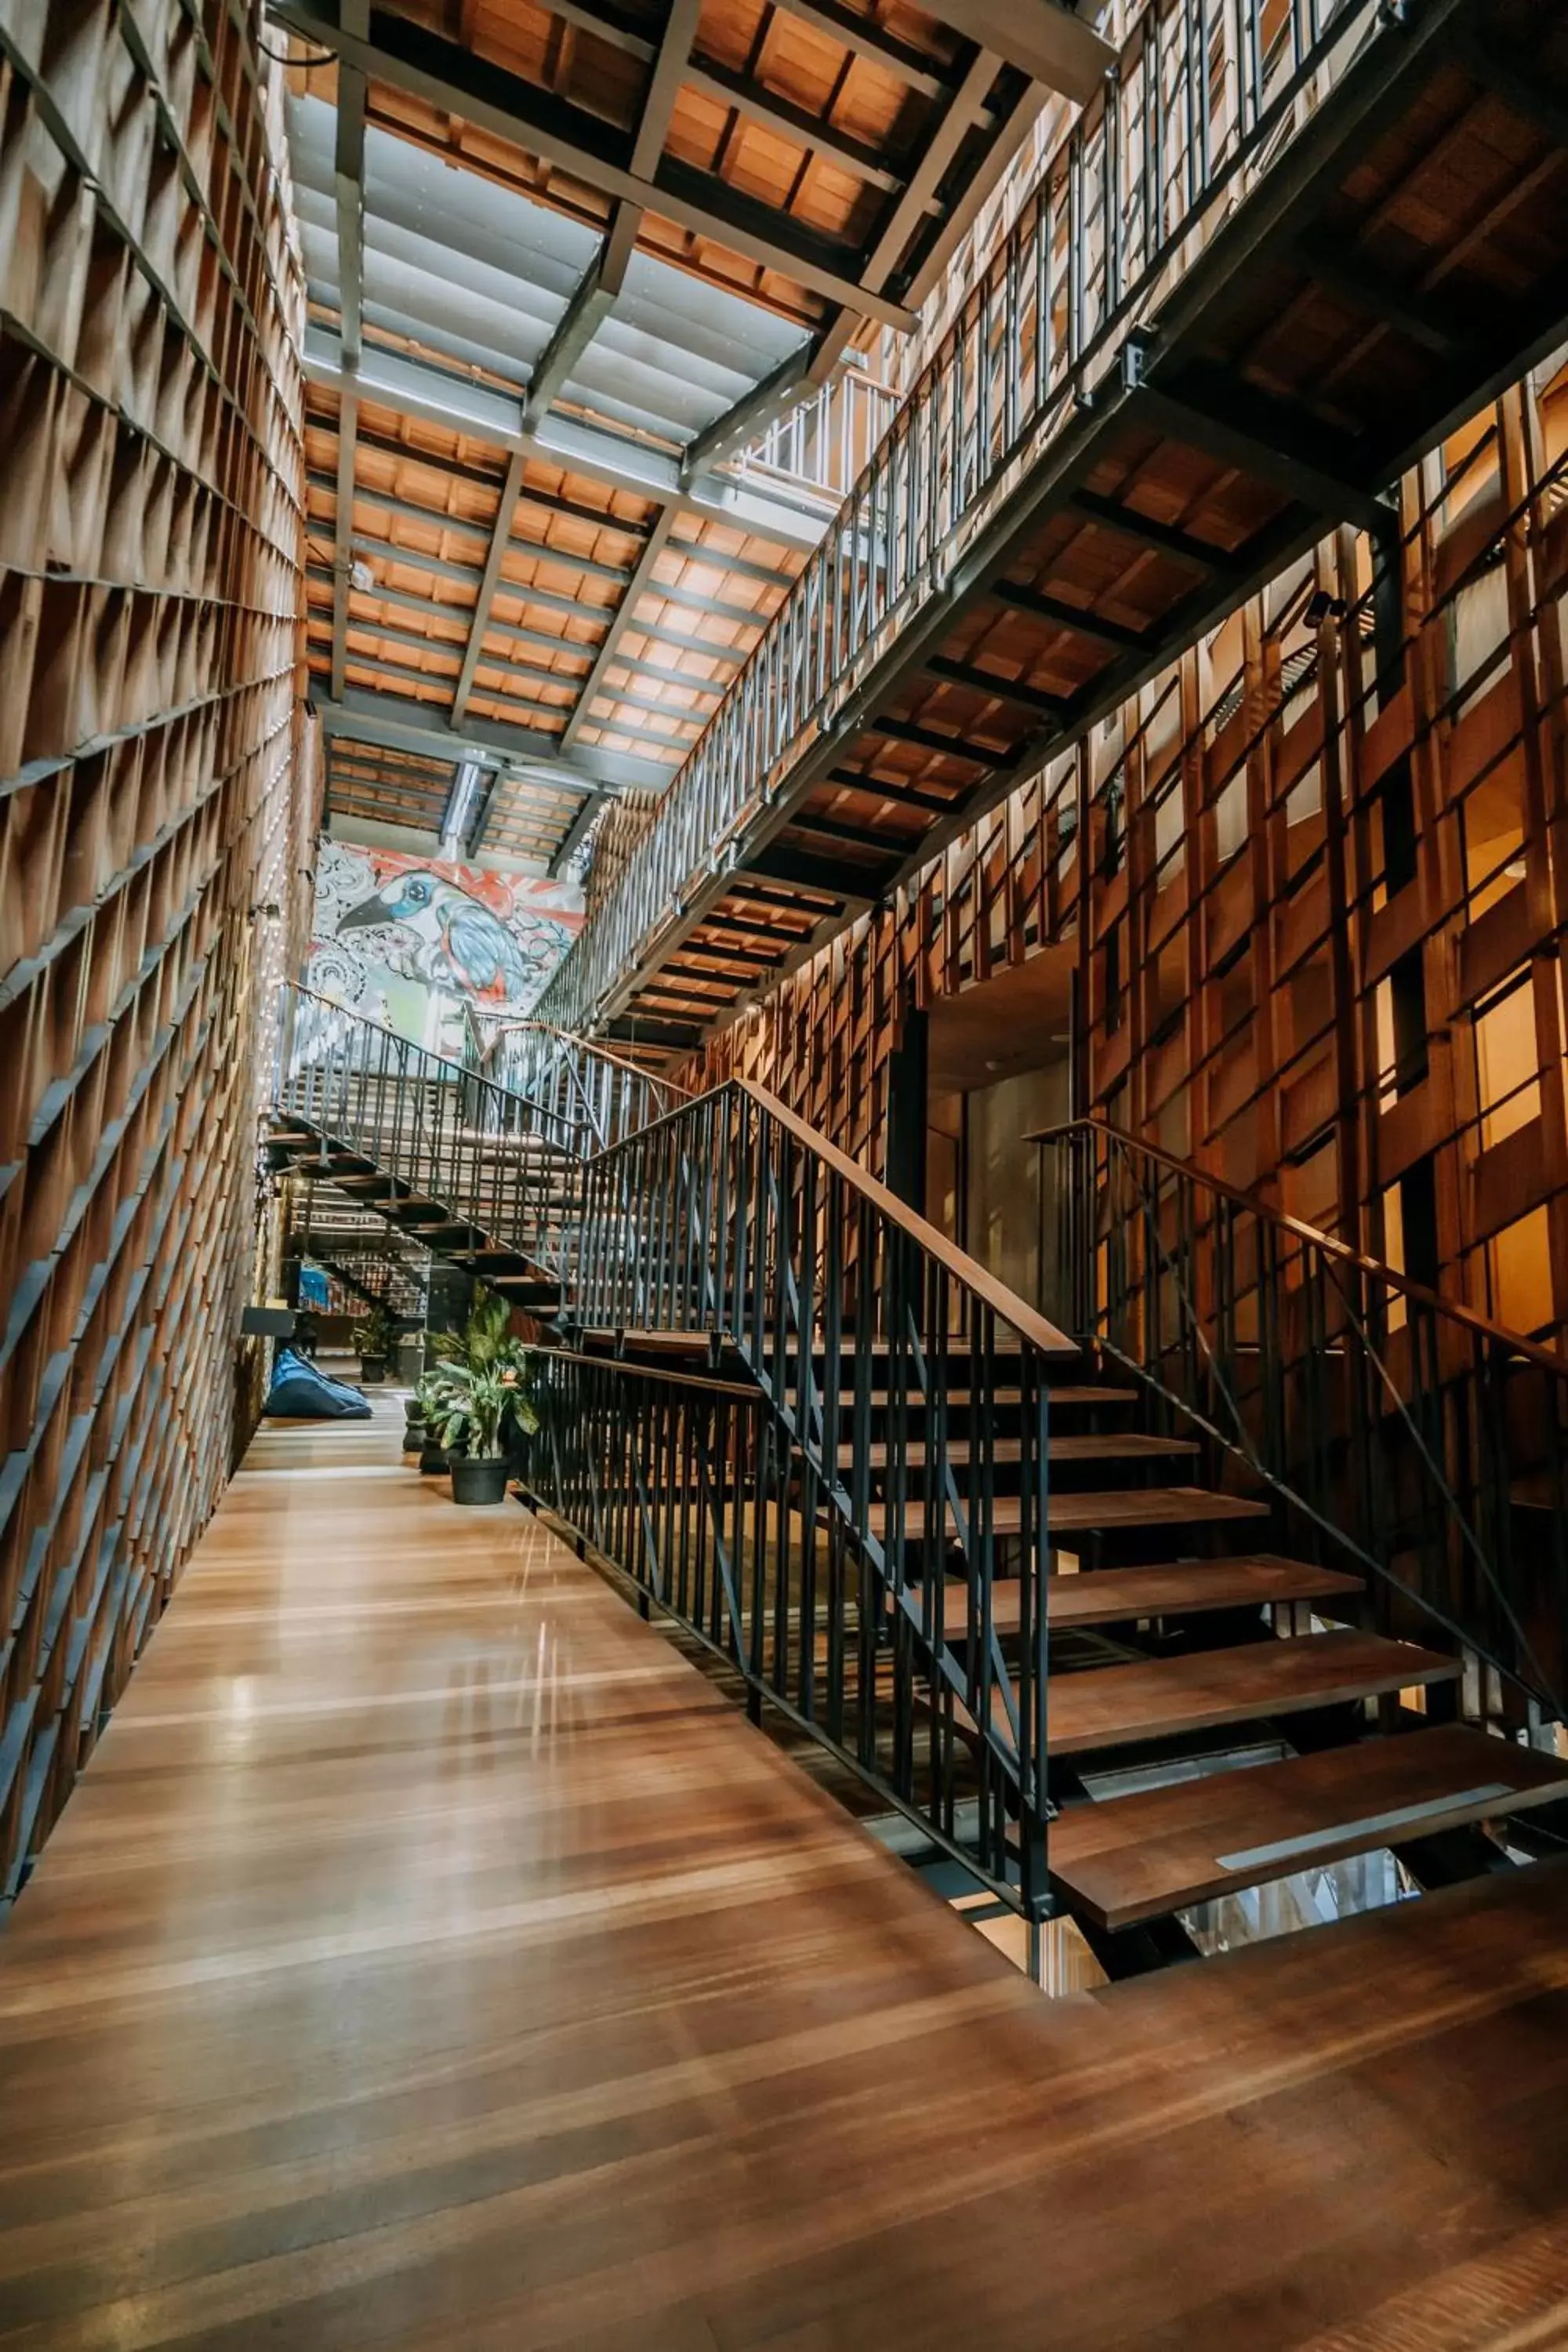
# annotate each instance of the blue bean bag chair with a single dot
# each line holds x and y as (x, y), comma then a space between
(300, 1392)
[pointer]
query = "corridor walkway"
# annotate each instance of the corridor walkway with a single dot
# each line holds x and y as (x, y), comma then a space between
(429, 1957)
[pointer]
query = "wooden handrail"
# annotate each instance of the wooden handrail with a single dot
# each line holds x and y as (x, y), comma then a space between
(1026, 1320)
(743, 1392)
(599, 1053)
(1455, 1309)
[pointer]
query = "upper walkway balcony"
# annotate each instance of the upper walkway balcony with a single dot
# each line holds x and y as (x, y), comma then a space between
(1292, 245)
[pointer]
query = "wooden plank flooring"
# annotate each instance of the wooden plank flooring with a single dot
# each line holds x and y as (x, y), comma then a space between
(430, 1958)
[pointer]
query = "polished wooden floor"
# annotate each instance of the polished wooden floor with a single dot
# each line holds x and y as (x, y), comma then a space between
(430, 1958)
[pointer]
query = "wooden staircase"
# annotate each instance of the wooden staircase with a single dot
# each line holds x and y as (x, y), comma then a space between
(959, 1556)
(1253, 1646)
(1213, 1656)
(412, 1207)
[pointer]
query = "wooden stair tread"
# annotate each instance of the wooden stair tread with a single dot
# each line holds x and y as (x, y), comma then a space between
(1137, 1857)
(1115, 1596)
(698, 1342)
(1072, 1447)
(1158, 1698)
(1059, 1393)
(1148, 1507)
(850, 1353)
(653, 1341)
(1111, 1509)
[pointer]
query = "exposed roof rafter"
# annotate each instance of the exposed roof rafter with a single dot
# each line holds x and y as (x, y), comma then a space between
(640, 579)
(479, 412)
(403, 724)
(405, 56)
(474, 300)
(501, 536)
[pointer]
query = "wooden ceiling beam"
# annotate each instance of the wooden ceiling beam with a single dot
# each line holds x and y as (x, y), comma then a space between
(1241, 429)
(864, 38)
(1082, 622)
(776, 113)
(529, 494)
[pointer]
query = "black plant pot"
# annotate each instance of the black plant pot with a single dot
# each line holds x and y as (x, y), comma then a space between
(432, 1459)
(479, 1482)
(414, 1438)
(372, 1371)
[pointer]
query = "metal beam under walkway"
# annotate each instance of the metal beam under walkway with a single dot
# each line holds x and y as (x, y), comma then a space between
(1289, 251)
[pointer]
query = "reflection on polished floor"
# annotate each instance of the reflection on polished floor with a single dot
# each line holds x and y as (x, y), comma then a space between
(431, 1958)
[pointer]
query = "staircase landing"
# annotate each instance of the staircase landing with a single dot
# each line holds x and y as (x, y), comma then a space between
(429, 1957)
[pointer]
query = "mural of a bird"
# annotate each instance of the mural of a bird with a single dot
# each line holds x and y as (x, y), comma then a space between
(461, 945)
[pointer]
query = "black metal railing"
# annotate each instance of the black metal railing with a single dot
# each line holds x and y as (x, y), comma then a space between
(1206, 97)
(491, 1159)
(817, 1516)
(1388, 1425)
(591, 1097)
(851, 1504)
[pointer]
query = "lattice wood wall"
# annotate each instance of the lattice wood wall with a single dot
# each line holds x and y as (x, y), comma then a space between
(1322, 914)
(157, 818)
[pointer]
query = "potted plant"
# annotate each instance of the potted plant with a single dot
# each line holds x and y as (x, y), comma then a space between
(483, 1340)
(484, 1407)
(373, 1338)
(428, 1414)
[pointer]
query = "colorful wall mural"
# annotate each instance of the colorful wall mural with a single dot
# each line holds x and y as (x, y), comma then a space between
(411, 941)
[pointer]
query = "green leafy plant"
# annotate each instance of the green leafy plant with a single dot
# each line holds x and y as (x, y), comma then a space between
(476, 1393)
(374, 1334)
(483, 1339)
(480, 1407)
